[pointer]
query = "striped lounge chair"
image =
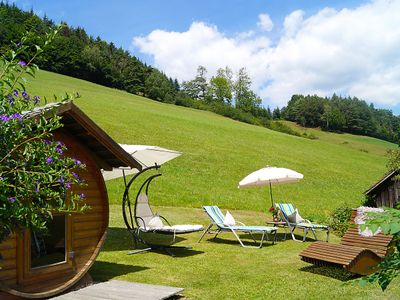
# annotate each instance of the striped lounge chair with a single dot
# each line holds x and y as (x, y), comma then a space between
(217, 219)
(288, 209)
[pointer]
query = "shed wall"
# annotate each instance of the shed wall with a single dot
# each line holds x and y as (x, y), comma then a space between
(389, 195)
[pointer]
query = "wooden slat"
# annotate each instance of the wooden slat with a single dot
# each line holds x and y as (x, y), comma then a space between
(88, 233)
(9, 243)
(331, 252)
(9, 253)
(342, 255)
(365, 245)
(85, 242)
(84, 251)
(10, 263)
(327, 258)
(357, 239)
(87, 226)
(8, 274)
(36, 285)
(378, 244)
(82, 218)
(9, 282)
(82, 260)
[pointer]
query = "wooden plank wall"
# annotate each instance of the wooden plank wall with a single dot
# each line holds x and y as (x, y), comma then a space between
(389, 196)
(8, 271)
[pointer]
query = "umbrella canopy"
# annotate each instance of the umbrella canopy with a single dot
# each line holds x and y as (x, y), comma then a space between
(270, 176)
(146, 155)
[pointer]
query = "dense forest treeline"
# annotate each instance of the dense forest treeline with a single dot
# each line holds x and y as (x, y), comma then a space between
(75, 53)
(341, 114)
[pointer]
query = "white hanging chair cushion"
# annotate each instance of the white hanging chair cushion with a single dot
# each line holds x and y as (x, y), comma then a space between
(177, 229)
(155, 222)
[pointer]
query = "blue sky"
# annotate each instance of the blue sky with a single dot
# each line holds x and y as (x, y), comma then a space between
(287, 47)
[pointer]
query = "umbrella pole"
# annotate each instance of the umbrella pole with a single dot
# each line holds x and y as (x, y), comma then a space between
(270, 193)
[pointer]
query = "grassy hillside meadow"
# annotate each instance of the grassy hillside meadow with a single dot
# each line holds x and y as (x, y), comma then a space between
(219, 152)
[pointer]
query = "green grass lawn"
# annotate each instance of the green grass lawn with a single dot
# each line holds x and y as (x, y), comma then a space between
(219, 152)
(221, 269)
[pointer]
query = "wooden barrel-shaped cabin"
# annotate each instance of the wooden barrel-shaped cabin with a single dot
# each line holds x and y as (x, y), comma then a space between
(41, 266)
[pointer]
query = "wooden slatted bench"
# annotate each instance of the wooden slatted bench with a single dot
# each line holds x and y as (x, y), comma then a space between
(355, 253)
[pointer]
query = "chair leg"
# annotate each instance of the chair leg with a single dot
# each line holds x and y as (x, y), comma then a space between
(237, 237)
(262, 238)
(274, 239)
(327, 235)
(204, 232)
(315, 235)
(252, 237)
(305, 234)
(291, 229)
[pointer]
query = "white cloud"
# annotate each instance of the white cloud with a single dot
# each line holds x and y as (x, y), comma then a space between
(265, 22)
(292, 22)
(350, 52)
(180, 53)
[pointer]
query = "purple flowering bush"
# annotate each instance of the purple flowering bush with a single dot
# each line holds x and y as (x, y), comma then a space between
(36, 177)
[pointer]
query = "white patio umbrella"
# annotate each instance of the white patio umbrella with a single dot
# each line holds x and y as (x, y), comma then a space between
(270, 176)
(146, 155)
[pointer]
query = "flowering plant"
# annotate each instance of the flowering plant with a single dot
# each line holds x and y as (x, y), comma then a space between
(36, 176)
(274, 211)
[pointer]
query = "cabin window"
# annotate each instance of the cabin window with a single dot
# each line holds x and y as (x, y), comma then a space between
(49, 248)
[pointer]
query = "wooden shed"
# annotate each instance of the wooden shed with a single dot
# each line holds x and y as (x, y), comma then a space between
(385, 192)
(35, 266)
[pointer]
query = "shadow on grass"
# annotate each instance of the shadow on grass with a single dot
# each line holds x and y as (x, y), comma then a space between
(119, 239)
(179, 252)
(104, 271)
(299, 236)
(331, 271)
(246, 240)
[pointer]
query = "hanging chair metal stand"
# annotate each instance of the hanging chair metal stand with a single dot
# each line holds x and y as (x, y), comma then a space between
(135, 223)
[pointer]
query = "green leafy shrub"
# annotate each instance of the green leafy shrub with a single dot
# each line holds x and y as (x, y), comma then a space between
(389, 268)
(339, 219)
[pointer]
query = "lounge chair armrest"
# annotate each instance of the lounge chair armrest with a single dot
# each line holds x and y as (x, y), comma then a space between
(142, 221)
(241, 223)
(165, 220)
(306, 221)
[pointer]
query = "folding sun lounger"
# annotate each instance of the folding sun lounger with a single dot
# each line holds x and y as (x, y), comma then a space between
(217, 219)
(289, 214)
